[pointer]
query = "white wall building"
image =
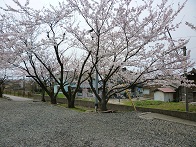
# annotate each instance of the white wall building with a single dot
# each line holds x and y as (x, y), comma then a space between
(164, 94)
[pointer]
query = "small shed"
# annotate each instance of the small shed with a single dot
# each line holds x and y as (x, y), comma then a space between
(164, 94)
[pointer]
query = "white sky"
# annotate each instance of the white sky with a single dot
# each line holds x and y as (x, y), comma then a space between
(187, 14)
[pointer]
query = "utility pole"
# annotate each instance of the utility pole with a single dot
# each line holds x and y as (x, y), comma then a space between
(96, 79)
(185, 91)
(185, 70)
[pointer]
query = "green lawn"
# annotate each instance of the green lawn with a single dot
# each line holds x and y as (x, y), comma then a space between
(86, 99)
(178, 106)
(60, 95)
(78, 108)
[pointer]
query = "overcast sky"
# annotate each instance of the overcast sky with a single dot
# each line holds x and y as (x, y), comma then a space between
(187, 14)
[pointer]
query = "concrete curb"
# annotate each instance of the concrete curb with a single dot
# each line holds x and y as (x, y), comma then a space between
(149, 115)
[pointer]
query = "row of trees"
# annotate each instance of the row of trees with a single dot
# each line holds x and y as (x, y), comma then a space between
(78, 38)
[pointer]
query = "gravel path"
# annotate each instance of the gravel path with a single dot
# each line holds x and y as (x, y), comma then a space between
(37, 124)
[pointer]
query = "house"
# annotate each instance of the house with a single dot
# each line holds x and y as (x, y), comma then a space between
(137, 90)
(85, 90)
(164, 94)
(148, 90)
(56, 87)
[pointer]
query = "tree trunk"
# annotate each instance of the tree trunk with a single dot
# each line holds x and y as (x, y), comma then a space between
(70, 98)
(71, 103)
(43, 96)
(53, 100)
(1, 91)
(52, 96)
(103, 105)
(103, 101)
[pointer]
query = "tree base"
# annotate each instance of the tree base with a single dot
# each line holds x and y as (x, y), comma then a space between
(109, 111)
(53, 101)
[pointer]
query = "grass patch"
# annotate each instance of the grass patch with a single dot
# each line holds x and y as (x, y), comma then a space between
(63, 105)
(147, 103)
(78, 108)
(175, 106)
(86, 99)
(60, 95)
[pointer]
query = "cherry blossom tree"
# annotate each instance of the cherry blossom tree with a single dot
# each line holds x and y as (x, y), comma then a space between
(125, 34)
(17, 36)
(113, 35)
(3, 57)
(41, 43)
(2, 81)
(4, 68)
(20, 42)
(68, 65)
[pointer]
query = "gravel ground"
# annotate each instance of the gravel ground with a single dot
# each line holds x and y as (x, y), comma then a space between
(37, 124)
